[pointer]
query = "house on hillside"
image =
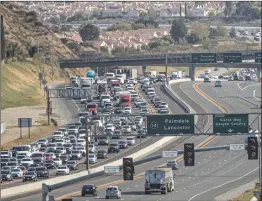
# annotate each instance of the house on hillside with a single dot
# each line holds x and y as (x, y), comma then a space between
(133, 13)
(198, 12)
(112, 13)
(170, 12)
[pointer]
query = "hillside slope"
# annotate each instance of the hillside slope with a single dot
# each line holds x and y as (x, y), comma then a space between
(20, 84)
(22, 30)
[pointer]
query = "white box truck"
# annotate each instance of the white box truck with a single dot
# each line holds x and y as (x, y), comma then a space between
(180, 74)
(134, 73)
(159, 180)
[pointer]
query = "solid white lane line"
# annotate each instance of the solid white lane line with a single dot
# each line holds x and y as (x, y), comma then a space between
(223, 184)
(246, 86)
(254, 95)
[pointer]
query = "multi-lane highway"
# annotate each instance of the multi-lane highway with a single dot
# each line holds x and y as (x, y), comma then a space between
(214, 173)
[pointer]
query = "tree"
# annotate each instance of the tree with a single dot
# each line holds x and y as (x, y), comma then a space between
(200, 30)
(142, 14)
(178, 30)
(211, 13)
(192, 38)
(221, 30)
(228, 8)
(233, 32)
(243, 8)
(89, 32)
(62, 17)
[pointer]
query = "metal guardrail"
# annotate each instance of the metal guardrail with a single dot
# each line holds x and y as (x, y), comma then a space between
(48, 188)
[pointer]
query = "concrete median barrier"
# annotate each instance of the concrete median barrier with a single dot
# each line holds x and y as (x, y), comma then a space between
(26, 188)
(30, 187)
(174, 95)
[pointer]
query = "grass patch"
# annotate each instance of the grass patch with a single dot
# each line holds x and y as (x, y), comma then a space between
(39, 132)
(20, 85)
(246, 196)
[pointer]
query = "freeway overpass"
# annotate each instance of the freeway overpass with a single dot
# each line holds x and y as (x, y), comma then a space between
(239, 59)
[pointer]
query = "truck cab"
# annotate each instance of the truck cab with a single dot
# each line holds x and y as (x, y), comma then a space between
(159, 180)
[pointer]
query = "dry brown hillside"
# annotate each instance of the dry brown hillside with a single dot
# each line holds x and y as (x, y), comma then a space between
(22, 29)
(20, 84)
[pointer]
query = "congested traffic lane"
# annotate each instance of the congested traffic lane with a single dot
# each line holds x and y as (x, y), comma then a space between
(131, 185)
(210, 170)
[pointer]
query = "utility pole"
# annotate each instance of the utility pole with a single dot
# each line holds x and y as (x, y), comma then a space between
(87, 147)
(166, 69)
(48, 106)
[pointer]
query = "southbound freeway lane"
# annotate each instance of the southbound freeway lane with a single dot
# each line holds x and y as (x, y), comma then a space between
(228, 94)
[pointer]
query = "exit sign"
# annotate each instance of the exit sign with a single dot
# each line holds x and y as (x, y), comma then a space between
(232, 57)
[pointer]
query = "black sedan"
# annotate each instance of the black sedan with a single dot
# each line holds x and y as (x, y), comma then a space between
(42, 172)
(50, 164)
(30, 176)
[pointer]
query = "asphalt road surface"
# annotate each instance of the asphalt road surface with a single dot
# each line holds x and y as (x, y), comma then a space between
(214, 173)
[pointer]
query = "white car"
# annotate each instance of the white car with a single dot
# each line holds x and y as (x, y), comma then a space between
(130, 85)
(27, 161)
(126, 128)
(98, 123)
(57, 161)
(43, 141)
(63, 130)
(92, 158)
(83, 100)
(92, 148)
(81, 141)
(17, 173)
(164, 104)
(151, 94)
(131, 141)
(127, 110)
(110, 127)
(62, 170)
(138, 102)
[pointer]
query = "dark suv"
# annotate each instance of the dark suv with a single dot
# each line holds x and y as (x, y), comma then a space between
(42, 172)
(113, 147)
(89, 189)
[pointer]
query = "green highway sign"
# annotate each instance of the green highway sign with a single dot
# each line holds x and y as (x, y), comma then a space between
(230, 123)
(258, 57)
(232, 57)
(170, 124)
(204, 58)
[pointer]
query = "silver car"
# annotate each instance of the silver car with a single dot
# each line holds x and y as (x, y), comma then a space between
(113, 191)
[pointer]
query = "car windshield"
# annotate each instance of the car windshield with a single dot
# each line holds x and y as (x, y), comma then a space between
(88, 186)
(21, 148)
(71, 162)
(62, 167)
(112, 189)
(75, 152)
(40, 169)
(5, 172)
(16, 170)
(30, 173)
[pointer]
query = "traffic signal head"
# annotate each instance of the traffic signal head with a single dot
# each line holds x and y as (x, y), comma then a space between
(128, 169)
(189, 154)
(252, 148)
